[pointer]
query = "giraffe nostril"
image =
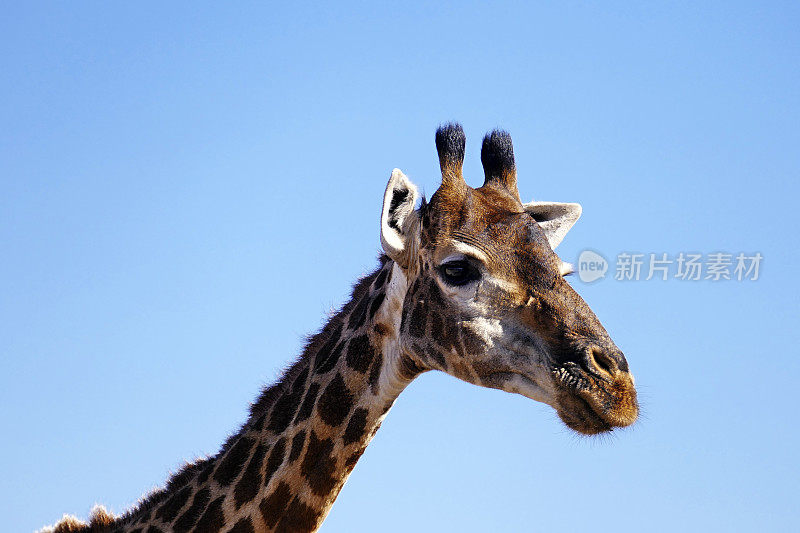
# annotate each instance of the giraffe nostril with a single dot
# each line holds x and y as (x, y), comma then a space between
(600, 360)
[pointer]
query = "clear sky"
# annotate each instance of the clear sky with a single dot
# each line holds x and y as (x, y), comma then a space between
(186, 190)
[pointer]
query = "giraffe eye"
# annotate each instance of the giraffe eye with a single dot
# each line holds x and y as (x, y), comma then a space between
(458, 272)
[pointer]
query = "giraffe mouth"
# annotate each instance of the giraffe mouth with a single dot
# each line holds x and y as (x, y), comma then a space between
(590, 405)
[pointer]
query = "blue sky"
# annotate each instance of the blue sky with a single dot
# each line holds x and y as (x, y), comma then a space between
(186, 190)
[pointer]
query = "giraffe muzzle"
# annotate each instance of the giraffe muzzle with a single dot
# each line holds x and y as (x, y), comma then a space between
(596, 392)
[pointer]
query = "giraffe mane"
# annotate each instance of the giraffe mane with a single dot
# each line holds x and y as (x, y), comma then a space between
(99, 520)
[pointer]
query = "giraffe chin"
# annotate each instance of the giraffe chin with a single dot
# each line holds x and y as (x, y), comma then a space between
(592, 410)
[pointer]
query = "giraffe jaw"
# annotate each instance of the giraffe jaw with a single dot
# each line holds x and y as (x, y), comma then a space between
(518, 383)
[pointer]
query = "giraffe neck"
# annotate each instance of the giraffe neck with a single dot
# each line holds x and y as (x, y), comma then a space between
(286, 466)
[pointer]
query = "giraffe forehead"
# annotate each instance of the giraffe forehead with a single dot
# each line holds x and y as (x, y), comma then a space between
(499, 244)
(488, 218)
(485, 202)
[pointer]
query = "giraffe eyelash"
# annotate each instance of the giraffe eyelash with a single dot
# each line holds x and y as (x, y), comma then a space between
(459, 272)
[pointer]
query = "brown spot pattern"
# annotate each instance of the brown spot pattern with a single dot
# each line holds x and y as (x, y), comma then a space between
(213, 519)
(233, 461)
(335, 402)
(245, 525)
(356, 426)
(206, 472)
(359, 315)
(318, 466)
(173, 505)
(275, 504)
(298, 442)
(190, 516)
(308, 403)
(328, 364)
(247, 487)
(324, 353)
(275, 459)
(376, 304)
(259, 423)
(286, 405)
(375, 372)
(359, 353)
(299, 517)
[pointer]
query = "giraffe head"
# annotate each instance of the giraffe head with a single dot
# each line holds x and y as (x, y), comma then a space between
(487, 300)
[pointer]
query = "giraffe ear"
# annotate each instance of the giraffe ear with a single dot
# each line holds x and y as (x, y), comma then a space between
(399, 218)
(555, 219)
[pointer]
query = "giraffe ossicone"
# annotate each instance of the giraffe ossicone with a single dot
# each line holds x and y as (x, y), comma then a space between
(468, 284)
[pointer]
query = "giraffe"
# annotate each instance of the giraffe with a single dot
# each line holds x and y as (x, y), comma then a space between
(468, 284)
